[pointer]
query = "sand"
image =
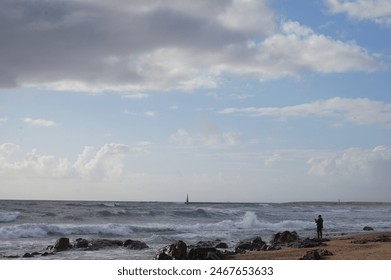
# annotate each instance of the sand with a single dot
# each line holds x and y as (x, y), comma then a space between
(365, 246)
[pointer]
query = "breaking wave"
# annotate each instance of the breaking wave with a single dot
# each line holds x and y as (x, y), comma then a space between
(6, 217)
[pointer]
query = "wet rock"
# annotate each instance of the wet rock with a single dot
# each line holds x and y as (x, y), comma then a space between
(221, 245)
(28, 255)
(162, 257)
(256, 244)
(175, 251)
(367, 228)
(135, 244)
(178, 250)
(81, 243)
(285, 237)
(216, 244)
(12, 257)
(62, 244)
(104, 243)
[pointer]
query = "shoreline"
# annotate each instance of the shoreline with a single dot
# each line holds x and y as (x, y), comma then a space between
(356, 246)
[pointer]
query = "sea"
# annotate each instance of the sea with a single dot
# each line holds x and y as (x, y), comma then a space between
(32, 226)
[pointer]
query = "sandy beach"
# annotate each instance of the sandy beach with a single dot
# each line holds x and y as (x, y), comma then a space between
(365, 246)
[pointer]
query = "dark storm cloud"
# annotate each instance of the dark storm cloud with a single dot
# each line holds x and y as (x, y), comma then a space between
(96, 45)
(48, 41)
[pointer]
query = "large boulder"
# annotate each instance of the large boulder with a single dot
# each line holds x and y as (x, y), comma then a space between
(175, 251)
(62, 244)
(285, 237)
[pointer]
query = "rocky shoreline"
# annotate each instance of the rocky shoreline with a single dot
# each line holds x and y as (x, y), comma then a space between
(179, 250)
(251, 248)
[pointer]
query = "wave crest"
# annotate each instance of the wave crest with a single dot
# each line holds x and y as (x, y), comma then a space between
(7, 217)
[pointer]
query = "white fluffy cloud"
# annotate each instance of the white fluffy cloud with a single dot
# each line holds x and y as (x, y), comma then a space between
(39, 122)
(369, 167)
(210, 137)
(376, 10)
(361, 111)
(124, 46)
(102, 164)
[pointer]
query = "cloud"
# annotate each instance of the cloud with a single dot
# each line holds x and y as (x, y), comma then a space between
(105, 163)
(210, 137)
(91, 46)
(150, 114)
(39, 122)
(298, 49)
(3, 120)
(370, 167)
(360, 111)
(136, 96)
(376, 10)
(7, 149)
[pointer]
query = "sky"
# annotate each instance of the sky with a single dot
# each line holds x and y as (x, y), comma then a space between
(225, 100)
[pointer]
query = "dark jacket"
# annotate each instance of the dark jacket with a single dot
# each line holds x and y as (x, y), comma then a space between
(319, 223)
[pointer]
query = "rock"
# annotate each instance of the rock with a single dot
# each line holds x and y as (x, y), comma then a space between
(203, 250)
(216, 244)
(285, 237)
(162, 256)
(316, 255)
(221, 245)
(323, 253)
(311, 255)
(205, 253)
(175, 251)
(28, 255)
(135, 244)
(12, 257)
(103, 243)
(367, 228)
(81, 243)
(62, 244)
(255, 244)
(306, 243)
(178, 250)
(381, 238)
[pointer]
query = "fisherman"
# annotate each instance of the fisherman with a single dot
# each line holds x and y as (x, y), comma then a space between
(319, 227)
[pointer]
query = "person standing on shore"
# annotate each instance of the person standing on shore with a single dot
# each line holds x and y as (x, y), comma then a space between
(319, 227)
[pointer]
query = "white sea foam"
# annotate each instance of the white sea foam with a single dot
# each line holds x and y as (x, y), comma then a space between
(43, 230)
(6, 217)
(249, 221)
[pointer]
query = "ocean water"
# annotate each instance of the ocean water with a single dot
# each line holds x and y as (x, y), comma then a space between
(29, 226)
